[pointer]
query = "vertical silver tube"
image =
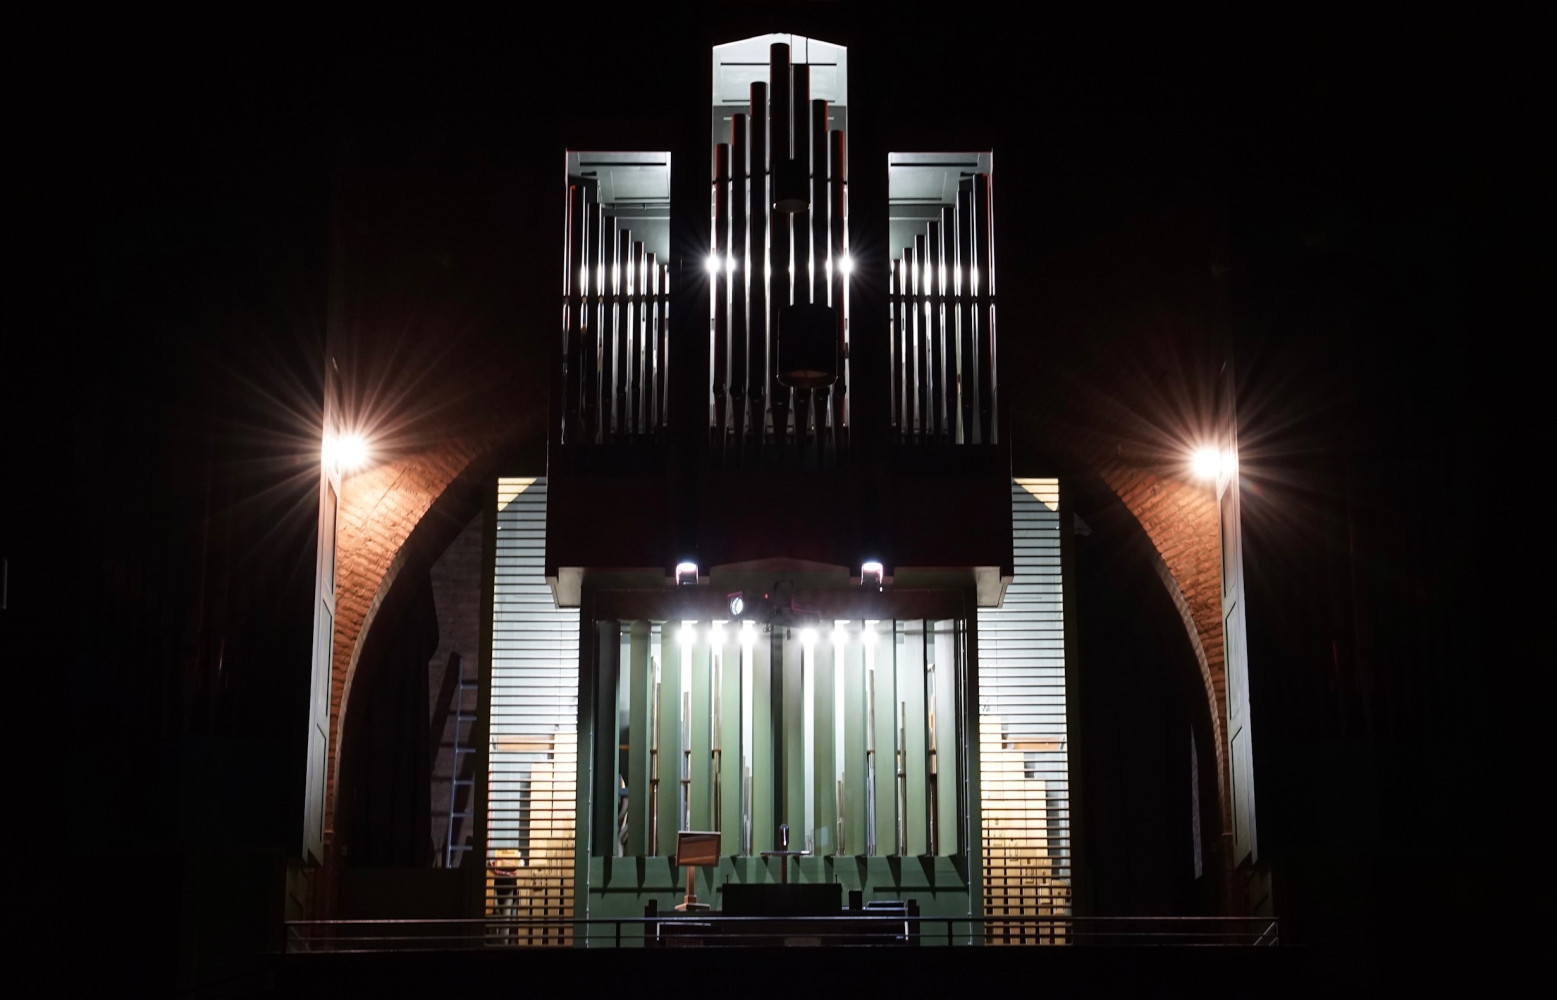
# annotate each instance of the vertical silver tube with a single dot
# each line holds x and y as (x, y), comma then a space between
(932, 306)
(895, 343)
(800, 254)
(748, 737)
(821, 259)
(686, 760)
(574, 319)
(610, 328)
(870, 740)
(716, 729)
(779, 287)
(654, 756)
(983, 274)
(800, 133)
(921, 345)
(738, 281)
(756, 264)
(840, 282)
(901, 810)
(623, 332)
(663, 300)
(840, 640)
(651, 345)
(720, 283)
(808, 740)
(962, 277)
(594, 339)
(932, 765)
(635, 356)
(946, 320)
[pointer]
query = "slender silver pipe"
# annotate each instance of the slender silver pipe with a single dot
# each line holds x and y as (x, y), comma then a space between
(721, 289)
(636, 352)
(870, 751)
(756, 264)
(962, 276)
(983, 287)
(779, 285)
(921, 345)
(838, 248)
(686, 760)
(931, 268)
(738, 281)
(574, 291)
(932, 766)
(901, 812)
(654, 758)
(716, 737)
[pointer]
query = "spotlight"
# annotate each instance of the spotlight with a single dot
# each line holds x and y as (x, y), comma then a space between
(686, 574)
(348, 451)
(870, 573)
(1210, 463)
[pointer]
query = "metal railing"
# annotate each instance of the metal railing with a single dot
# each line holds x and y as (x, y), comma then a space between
(845, 930)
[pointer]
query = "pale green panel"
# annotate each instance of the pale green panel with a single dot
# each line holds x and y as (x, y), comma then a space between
(946, 737)
(910, 735)
(729, 732)
(823, 783)
(794, 787)
(701, 732)
(669, 732)
(762, 821)
(884, 729)
(854, 749)
(636, 664)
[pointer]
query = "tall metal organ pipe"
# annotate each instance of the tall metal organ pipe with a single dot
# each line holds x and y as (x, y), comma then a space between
(739, 280)
(721, 288)
(821, 260)
(756, 261)
(575, 324)
(963, 277)
(779, 287)
(839, 279)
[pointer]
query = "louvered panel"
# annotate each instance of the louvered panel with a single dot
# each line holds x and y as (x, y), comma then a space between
(533, 763)
(1023, 764)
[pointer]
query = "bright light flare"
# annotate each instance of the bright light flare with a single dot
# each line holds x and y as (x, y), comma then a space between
(346, 451)
(808, 637)
(1210, 463)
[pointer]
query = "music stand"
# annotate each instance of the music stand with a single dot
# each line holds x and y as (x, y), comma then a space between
(694, 847)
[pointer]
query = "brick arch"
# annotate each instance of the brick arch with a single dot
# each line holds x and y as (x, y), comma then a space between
(1180, 520)
(389, 514)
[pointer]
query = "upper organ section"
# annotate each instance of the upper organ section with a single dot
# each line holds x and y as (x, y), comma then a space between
(778, 267)
(616, 311)
(942, 342)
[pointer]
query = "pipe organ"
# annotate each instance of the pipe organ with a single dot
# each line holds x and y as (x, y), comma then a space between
(804, 418)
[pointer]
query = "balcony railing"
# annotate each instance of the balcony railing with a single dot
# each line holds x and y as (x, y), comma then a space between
(712, 929)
